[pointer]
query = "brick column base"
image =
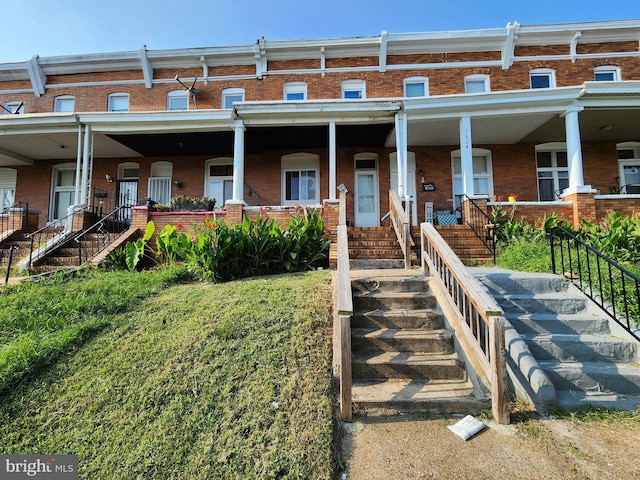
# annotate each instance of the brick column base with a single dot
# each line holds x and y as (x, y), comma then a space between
(583, 207)
(234, 213)
(140, 217)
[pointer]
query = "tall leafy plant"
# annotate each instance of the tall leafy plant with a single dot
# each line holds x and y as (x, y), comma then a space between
(136, 250)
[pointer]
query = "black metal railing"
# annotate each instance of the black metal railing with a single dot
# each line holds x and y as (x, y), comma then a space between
(50, 235)
(6, 259)
(608, 284)
(480, 222)
(99, 236)
(102, 200)
(9, 222)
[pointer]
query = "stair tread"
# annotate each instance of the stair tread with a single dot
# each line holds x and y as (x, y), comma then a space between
(402, 358)
(404, 389)
(400, 333)
(580, 338)
(595, 366)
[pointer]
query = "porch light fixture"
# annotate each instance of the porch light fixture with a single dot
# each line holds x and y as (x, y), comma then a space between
(109, 178)
(178, 184)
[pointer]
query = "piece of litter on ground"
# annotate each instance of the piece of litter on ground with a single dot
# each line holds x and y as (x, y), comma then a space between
(467, 427)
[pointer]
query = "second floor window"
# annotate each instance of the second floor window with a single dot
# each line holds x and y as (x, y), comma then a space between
(65, 103)
(230, 96)
(416, 87)
(476, 84)
(295, 91)
(178, 100)
(353, 89)
(542, 78)
(607, 74)
(12, 108)
(119, 102)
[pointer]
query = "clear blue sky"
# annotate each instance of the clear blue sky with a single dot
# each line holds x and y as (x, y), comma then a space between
(61, 27)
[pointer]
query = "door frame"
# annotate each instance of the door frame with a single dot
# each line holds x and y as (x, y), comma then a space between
(362, 158)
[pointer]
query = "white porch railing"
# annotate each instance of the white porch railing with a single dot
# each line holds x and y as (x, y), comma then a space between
(475, 316)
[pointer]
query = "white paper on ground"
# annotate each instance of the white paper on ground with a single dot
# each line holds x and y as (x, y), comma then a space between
(467, 427)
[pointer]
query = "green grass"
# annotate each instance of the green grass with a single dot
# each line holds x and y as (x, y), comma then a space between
(525, 255)
(201, 381)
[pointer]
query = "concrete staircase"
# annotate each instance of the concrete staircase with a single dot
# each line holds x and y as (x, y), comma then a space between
(589, 358)
(67, 254)
(465, 243)
(376, 247)
(403, 356)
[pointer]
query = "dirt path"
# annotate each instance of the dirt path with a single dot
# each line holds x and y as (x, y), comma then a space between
(414, 447)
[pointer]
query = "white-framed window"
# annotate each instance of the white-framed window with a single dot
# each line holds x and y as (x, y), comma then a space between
(159, 183)
(542, 78)
(63, 189)
(230, 96)
(482, 173)
(64, 103)
(477, 83)
(178, 100)
(300, 179)
(8, 178)
(12, 108)
(353, 89)
(119, 102)
(416, 87)
(629, 167)
(606, 73)
(218, 180)
(295, 91)
(552, 170)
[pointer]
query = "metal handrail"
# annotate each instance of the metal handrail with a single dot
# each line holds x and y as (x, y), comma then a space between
(481, 224)
(608, 284)
(116, 222)
(401, 225)
(51, 235)
(478, 318)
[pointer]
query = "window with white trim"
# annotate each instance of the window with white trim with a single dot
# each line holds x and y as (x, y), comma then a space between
(63, 188)
(230, 96)
(552, 171)
(119, 102)
(64, 103)
(629, 167)
(416, 87)
(295, 91)
(10, 108)
(159, 183)
(300, 177)
(219, 180)
(353, 89)
(8, 178)
(606, 73)
(476, 84)
(542, 78)
(178, 100)
(482, 173)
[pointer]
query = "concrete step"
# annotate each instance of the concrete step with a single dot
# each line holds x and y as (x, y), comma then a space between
(547, 323)
(542, 303)
(426, 366)
(523, 283)
(393, 284)
(583, 348)
(409, 395)
(401, 340)
(572, 399)
(393, 300)
(593, 376)
(428, 319)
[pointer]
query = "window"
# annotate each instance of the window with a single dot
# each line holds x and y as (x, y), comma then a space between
(416, 87)
(13, 107)
(629, 166)
(219, 180)
(63, 190)
(476, 84)
(295, 91)
(119, 102)
(553, 171)
(159, 184)
(607, 74)
(178, 100)
(300, 174)
(64, 103)
(230, 96)
(7, 188)
(482, 174)
(353, 89)
(542, 78)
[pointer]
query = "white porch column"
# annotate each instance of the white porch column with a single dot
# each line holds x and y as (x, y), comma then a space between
(466, 156)
(401, 136)
(574, 154)
(238, 162)
(85, 165)
(332, 160)
(76, 199)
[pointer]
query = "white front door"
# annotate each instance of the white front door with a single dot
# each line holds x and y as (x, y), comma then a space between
(411, 180)
(366, 199)
(64, 191)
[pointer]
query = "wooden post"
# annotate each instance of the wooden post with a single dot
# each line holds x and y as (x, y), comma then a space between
(342, 215)
(499, 389)
(345, 368)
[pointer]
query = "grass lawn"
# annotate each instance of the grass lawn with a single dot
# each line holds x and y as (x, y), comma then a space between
(198, 381)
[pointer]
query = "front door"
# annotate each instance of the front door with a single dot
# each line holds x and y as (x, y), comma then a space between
(366, 198)
(127, 196)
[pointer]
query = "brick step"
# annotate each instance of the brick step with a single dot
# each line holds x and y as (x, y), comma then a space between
(375, 253)
(60, 261)
(401, 340)
(358, 245)
(426, 366)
